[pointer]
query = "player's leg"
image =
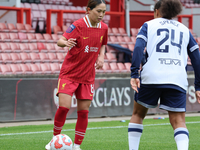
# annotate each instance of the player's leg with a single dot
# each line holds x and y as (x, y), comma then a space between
(174, 101)
(84, 95)
(146, 98)
(181, 134)
(135, 126)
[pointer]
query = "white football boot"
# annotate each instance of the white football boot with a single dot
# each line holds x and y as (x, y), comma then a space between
(47, 147)
(76, 148)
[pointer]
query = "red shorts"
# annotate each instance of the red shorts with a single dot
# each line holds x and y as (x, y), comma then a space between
(82, 91)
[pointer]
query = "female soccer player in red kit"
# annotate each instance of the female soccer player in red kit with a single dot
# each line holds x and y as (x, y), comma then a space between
(86, 39)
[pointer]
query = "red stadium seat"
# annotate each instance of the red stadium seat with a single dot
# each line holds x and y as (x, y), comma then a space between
(5, 48)
(5, 69)
(12, 27)
(64, 28)
(15, 58)
(48, 38)
(59, 49)
(131, 47)
(34, 6)
(44, 57)
(45, 68)
(106, 68)
(23, 37)
(27, 5)
(25, 57)
(24, 47)
(128, 40)
(35, 69)
(55, 37)
(14, 37)
(134, 31)
(115, 31)
(110, 32)
(50, 47)
(5, 37)
(20, 27)
(122, 32)
(114, 67)
(3, 27)
(121, 39)
(122, 67)
(33, 47)
(53, 58)
(35, 57)
(111, 57)
(133, 39)
(1, 60)
(39, 37)
(16, 69)
(41, 7)
(25, 69)
(57, 30)
(55, 68)
(15, 47)
(114, 39)
(6, 58)
(31, 37)
(29, 29)
(60, 57)
(127, 65)
(42, 47)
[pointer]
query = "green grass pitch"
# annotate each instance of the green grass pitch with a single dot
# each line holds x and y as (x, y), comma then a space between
(109, 135)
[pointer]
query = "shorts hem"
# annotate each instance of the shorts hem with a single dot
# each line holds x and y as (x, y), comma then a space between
(146, 105)
(172, 109)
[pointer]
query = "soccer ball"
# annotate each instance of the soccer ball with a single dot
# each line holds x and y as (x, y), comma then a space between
(61, 142)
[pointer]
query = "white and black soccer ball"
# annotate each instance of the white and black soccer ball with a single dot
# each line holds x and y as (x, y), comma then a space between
(61, 142)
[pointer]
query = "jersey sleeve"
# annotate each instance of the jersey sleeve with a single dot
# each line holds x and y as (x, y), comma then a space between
(193, 52)
(71, 32)
(143, 32)
(105, 38)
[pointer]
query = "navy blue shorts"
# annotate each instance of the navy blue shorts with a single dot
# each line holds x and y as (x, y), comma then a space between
(170, 99)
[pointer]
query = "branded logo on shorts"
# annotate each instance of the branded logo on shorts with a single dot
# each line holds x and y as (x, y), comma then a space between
(87, 49)
(101, 39)
(63, 86)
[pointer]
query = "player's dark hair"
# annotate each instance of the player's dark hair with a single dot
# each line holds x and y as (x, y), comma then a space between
(93, 3)
(169, 8)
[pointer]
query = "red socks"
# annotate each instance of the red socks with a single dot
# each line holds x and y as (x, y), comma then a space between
(59, 119)
(81, 126)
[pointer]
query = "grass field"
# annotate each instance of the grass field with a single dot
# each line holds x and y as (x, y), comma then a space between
(109, 135)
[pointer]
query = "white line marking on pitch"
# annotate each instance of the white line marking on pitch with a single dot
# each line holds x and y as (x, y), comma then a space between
(162, 124)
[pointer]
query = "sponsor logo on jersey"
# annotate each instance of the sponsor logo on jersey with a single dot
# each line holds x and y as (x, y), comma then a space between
(90, 49)
(71, 28)
(169, 61)
(87, 49)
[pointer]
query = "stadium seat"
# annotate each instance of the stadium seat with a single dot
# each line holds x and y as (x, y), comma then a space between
(53, 58)
(131, 47)
(5, 48)
(54, 7)
(77, 16)
(43, 1)
(64, 28)
(128, 40)
(15, 47)
(5, 69)
(12, 27)
(5, 37)
(41, 7)
(134, 31)
(15, 58)
(133, 39)
(55, 37)
(110, 32)
(44, 57)
(23, 37)
(20, 27)
(61, 7)
(122, 32)
(27, 5)
(25, 57)
(106, 68)
(35, 57)
(114, 67)
(50, 47)
(3, 27)
(111, 57)
(31, 37)
(59, 49)
(42, 47)
(114, 39)
(122, 67)
(35, 68)
(6, 58)
(45, 68)
(121, 39)
(14, 37)
(57, 30)
(124, 45)
(29, 29)
(55, 68)
(127, 65)
(16, 69)
(48, 38)
(47, 6)
(34, 6)
(25, 69)
(115, 31)
(39, 37)
(60, 57)
(33, 47)
(24, 47)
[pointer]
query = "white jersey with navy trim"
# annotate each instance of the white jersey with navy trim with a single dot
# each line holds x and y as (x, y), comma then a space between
(167, 44)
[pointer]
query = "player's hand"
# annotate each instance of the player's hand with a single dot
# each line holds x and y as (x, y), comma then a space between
(70, 42)
(99, 62)
(135, 84)
(198, 96)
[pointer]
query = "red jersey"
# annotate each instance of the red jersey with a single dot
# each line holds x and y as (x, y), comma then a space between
(79, 63)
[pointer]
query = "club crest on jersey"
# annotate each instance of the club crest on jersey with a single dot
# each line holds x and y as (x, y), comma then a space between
(70, 29)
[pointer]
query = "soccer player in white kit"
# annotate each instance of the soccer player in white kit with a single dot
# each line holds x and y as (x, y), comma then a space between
(163, 76)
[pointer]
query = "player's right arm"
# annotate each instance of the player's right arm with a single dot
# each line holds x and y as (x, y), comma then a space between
(62, 42)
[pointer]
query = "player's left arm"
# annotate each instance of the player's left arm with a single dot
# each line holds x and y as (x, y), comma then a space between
(100, 59)
(194, 54)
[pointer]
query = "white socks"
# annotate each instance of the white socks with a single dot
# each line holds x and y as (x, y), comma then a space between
(181, 136)
(134, 134)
